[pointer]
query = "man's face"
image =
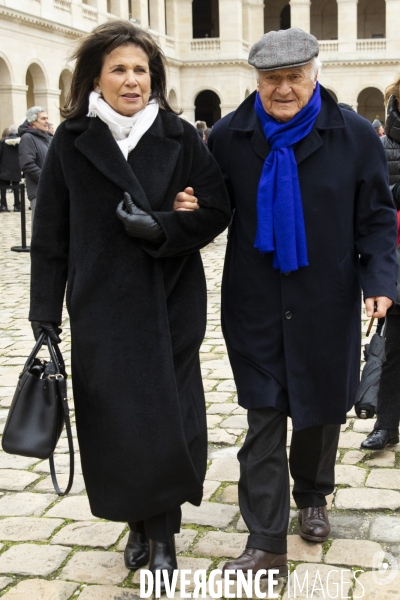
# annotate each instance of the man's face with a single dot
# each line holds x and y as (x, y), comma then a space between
(41, 122)
(381, 131)
(284, 92)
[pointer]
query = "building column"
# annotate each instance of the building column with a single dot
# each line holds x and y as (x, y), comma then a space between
(184, 29)
(13, 104)
(140, 12)
(230, 25)
(157, 16)
(392, 27)
(300, 14)
(253, 20)
(347, 25)
(50, 100)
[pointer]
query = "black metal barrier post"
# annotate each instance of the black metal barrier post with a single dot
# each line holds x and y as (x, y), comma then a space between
(23, 247)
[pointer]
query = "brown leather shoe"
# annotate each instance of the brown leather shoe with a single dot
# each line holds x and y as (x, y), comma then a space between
(257, 559)
(314, 523)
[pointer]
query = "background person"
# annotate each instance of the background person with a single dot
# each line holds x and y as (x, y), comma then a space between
(377, 125)
(136, 295)
(10, 172)
(386, 428)
(33, 149)
(290, 156)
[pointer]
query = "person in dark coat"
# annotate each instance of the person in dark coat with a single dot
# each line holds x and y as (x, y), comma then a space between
(10, 172)
(386, 428)
(112, 219)
(314, 223)
(33, 149)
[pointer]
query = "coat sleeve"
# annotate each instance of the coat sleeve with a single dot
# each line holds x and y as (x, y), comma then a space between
(27, 157)
(185, 231)
(50, 242)
(375, 218)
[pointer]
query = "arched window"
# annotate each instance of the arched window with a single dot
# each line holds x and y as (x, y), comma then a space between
(371, 104)
(173, 100)
(207, 107)
(324, 19)
(36, 82)
(371, 16)
(6, 114)
(205, 18)
(276, 15)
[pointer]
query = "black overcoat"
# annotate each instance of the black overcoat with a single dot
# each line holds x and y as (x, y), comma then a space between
(137, 312)
(294, 340)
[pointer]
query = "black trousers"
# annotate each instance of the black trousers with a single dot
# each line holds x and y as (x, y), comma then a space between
(264, 491)
(389, 389)
(6, 184)
(160, 528)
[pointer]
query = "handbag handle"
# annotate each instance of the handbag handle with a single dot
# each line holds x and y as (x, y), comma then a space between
(39, 343)
(60, 378)
(62, 388)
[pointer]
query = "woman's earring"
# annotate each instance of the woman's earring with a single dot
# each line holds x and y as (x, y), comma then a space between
(98, 90)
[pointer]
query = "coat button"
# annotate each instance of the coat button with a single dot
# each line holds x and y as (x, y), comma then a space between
(288, 314)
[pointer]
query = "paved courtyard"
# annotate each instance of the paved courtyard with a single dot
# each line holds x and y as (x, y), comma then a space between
(54, 549)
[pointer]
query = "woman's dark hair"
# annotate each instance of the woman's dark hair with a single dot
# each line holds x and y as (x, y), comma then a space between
(90, 56)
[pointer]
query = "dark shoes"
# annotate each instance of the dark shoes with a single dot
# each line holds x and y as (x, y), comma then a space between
(258, 559)
(137, 550)
(4, 208)
(163, 556)
(378, 439)
(314, 523)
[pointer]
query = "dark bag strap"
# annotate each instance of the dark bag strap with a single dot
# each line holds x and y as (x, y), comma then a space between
(39, 343)
(60, 378)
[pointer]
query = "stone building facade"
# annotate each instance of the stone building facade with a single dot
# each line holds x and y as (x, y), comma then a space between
(206, 43)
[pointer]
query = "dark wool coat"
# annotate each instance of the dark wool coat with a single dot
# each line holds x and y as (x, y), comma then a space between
(33, 149)
(9, 163)
(137, 311)
(294, 340)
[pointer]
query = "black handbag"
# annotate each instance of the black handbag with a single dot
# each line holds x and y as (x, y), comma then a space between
(39, 410)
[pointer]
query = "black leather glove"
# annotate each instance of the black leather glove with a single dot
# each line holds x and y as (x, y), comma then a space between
(137, 222)
(51, 329)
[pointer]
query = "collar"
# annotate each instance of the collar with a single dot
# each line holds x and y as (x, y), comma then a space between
(165, 125)
(245, 118)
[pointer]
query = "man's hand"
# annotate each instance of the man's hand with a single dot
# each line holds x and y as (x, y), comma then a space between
(186, 200)
(382, 304)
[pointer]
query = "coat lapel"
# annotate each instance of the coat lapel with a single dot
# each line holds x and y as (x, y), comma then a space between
(259, 142)
(153, 162)
(308, 146)
(100, 148)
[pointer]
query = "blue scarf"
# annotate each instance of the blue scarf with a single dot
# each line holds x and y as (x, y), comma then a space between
(280, 219)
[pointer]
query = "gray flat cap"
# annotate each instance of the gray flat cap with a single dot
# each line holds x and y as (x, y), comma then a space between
(283, 49)
(376, 123)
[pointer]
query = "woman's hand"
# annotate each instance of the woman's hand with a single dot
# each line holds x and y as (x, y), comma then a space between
(186, 200)
(51, 329)
(137, 222)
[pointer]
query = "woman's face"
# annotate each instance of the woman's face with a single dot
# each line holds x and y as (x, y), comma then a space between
(125, 79)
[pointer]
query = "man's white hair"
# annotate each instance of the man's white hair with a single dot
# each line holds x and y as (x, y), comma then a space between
(32, 113)
(315, 63)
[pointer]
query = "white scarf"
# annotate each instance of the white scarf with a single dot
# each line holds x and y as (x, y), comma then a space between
(126, 131)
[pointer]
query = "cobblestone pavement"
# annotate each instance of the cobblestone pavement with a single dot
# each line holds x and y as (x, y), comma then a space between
(54, 549)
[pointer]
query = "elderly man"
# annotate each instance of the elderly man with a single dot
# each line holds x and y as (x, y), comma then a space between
(313, 219)
(33, 149)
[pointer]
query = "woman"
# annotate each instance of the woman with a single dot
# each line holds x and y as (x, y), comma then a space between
(136, 292)
(386, 428)
(10, 171)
